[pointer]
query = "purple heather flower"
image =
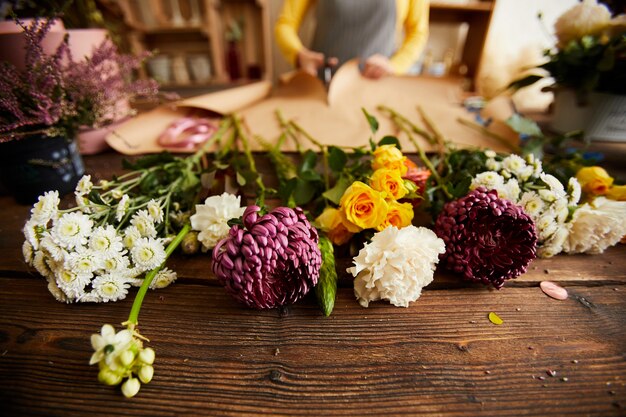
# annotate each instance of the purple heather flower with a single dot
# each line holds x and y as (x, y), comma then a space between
(271, 260)
(487, 239)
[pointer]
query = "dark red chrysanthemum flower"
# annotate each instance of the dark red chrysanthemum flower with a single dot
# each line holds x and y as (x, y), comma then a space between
(271, 260)
(487, 239)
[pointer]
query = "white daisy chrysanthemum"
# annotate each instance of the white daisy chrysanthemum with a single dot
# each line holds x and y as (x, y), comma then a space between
(51, 248)
(147, 253)
(56, 291)
(27, 252)
(493, 165)
(516, 165)
(71, 283)
(131, 235)
(84, 185)
(118, 262)
(489, 153)
(144, 224)
(396, 265)
(546, 225)
(33, 232)
(555, 185)
(41, 265)
(72, 229)
(510, 191)
(122, 206)
(117, 193)
(110, 287)
(489, 179)
(547, 195)
(532, 203)
(574, 191)
(106, 241)
(84, 262)
(163, 278)
(155, 211)
(46, 207)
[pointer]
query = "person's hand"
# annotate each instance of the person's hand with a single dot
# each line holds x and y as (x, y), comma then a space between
(311, 61)
(377, 66)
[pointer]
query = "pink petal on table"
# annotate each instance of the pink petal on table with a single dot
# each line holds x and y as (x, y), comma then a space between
(553, 290)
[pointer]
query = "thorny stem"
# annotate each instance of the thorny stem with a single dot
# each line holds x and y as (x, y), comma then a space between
(246, 149)
(400, 122)
(134, 312)
(502, 140)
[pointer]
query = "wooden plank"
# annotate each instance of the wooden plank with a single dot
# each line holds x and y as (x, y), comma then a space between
(441, 355)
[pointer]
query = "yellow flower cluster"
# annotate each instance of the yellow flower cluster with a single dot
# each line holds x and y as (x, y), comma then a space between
(374, 205)
(595, 181)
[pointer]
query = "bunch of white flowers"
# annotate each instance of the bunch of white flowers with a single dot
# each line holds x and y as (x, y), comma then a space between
(542, 196)
(83, 256)
(396, 265)
(211, 218)
(595, 226)
(122, 355)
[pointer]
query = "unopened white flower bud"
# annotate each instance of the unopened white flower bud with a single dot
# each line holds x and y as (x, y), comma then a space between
(127, 357)
(130, 388)
(147, 356)
(108, 377)
(145, 373)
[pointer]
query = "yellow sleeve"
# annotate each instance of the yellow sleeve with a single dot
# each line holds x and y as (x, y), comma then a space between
(414, 15)
(287, 26)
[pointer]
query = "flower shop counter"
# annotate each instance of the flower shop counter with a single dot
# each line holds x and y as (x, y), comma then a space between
(443, 355)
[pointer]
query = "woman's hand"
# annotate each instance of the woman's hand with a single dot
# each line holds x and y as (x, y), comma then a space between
(311, 61)
(377, 66)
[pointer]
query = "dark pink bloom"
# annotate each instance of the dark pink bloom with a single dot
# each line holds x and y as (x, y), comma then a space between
(271, 260)
(487, 239)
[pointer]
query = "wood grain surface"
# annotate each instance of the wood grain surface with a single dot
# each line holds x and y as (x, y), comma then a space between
(440, 356)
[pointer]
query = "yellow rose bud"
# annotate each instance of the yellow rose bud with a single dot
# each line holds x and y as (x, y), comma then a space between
(390, 157)
(399, 215)
(617, 192)
(594, 180)
(330, 221)
(362, 207)
(390, 182)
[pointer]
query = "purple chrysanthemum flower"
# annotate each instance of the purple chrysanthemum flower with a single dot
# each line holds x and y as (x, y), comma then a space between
(271, 260)
(487, 239)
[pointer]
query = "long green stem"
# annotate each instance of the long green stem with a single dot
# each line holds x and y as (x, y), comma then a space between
(134, 311)
(487, 132)
(415, 129)
(217, 136)
(246, 149)
(323, 148)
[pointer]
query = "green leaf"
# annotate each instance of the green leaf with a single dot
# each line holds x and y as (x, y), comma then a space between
(523, 125)
(310, 176)
(326, 289)
(525, 82)
(241, 180)
(94, 197)
(371, 120)
(309, 161)
(390, 140)
(462, 187)
(337, 159)
(334, 194)
(303, 192)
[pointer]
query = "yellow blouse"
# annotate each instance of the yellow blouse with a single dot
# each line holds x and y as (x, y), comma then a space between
(411, 15)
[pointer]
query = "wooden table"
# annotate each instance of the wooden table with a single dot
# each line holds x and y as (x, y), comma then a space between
(440, 356)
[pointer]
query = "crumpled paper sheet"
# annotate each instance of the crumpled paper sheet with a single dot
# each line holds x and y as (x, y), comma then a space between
(333, 117)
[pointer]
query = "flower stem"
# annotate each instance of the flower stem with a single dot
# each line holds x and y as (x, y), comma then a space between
(323, 148)
(134, 312)
(251, 162)
(395, 115)
(502, 140)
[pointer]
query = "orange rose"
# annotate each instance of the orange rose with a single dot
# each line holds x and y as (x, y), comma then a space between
(362, 207)
(399, 215)
(594, 180)
(617, 192)
(390, 157)
(390, 182)
(330, 222)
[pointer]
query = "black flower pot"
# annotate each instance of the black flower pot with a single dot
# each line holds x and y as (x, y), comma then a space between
(38, 163)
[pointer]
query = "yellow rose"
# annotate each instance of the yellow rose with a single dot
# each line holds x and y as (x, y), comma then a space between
(390, 157)
(331, 223)
(390, 182)
(399, 215)
(585, 18)
(362, 207)
(617, 192)
(594, 180)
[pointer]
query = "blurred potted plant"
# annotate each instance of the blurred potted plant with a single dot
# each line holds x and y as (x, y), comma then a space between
(43, 106)
(587, 63)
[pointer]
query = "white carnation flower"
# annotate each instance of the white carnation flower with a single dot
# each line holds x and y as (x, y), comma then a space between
(211, 218)
(144, 224)
(72, 230)
(147, 253)
(110, 287)
(155, 211)
(396, 265)
(488, 179)
(163, 278)
(46, 207)
(122, 206)
(596, 226)
(106, 241)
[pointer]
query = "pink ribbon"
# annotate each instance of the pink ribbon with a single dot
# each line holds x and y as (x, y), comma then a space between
(187, 133)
